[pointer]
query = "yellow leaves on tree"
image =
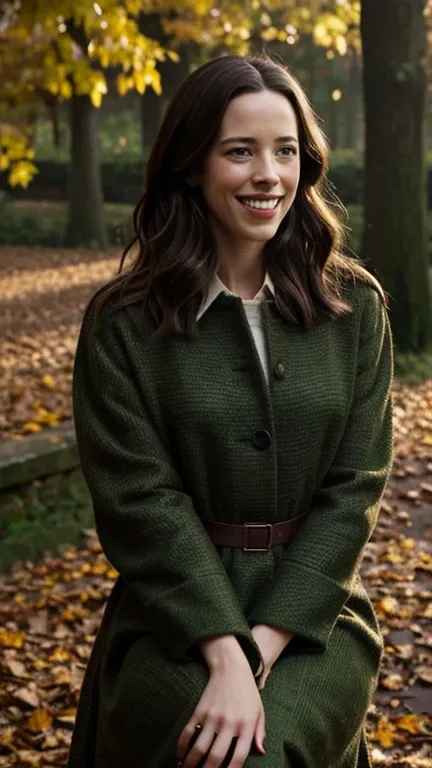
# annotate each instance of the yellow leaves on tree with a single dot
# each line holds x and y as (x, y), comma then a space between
(16, 156)
(62, 49)
(83, 38)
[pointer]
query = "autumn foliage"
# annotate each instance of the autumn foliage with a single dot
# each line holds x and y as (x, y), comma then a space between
(57, 50)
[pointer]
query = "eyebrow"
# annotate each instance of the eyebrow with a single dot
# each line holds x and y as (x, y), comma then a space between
(250, 140)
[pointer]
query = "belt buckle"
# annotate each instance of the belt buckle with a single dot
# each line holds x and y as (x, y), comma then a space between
(258, 525)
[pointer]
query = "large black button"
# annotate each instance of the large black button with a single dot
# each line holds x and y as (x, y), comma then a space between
(261, 439)
(279, 371)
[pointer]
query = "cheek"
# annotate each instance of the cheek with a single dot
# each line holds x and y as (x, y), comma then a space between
(221, 178)
(292, 176)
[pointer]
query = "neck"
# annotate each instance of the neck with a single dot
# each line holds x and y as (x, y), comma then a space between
(241, 269)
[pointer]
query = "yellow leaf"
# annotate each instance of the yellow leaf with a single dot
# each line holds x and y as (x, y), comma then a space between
(62, 676)
(96, 98)
(140, 81)
(385, 733)
(22, 173)
(155, 82)
(59, 655)
(122, 84)
(11, 639)
(40, 720)
(48, 381)
(20, 599)
(30, 426)
(410, 723)
(173, 55)
(4, 162)
(388, 605)
(39, 664)
(7, 736)
(66, 89)
(99, 569)
(408, 544)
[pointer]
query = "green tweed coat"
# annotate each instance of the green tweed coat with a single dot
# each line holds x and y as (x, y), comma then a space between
(165, 431)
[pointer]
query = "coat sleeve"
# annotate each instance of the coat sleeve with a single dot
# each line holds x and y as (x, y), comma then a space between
(314, 578)
(146, 523)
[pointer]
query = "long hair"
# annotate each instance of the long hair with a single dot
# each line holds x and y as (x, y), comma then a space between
(175, 252)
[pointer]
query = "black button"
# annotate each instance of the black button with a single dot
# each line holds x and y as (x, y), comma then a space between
(261, 439)
(279, 371)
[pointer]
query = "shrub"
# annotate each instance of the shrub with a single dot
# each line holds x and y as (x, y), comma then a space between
(24, 223)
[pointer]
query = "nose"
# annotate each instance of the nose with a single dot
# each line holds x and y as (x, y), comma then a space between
(265, 170)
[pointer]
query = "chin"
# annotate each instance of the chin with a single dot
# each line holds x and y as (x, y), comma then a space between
(262, 236)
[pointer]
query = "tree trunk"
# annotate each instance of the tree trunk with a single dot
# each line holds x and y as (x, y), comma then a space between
(151, 109)
(394, 237)
(332, 128)
(352, 97)
(86, 224)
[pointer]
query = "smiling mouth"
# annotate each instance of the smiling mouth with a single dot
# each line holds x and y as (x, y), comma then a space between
(263, 205)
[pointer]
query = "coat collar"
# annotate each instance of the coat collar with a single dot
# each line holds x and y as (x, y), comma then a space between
(217, 287)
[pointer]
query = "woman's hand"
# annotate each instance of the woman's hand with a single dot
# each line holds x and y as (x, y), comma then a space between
(230, 708)
(271, 641)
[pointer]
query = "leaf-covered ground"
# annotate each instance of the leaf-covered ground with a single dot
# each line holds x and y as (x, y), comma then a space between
(50, 611)
(43, 294)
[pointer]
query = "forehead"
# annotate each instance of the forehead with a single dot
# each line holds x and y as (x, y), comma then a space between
(259, 113)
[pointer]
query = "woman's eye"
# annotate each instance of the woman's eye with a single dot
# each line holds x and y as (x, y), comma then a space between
(239, 152)
(288, 151)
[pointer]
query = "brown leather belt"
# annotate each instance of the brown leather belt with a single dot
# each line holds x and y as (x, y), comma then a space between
(253, 537)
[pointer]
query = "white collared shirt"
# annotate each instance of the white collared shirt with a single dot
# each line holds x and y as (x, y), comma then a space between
(252, 310)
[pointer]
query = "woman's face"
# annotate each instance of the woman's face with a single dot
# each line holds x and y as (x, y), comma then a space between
(250, 177)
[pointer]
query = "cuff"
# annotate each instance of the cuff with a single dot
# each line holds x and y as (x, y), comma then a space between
(303, 601)
(195, 610)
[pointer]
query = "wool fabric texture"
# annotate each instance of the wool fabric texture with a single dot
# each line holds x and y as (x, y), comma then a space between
(165, 433)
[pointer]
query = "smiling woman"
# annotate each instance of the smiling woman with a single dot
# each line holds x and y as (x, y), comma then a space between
(233, 416)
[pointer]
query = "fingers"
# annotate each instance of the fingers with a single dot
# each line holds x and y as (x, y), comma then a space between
(260, 732)
(187, 739)
(217, 749)
(242, 749)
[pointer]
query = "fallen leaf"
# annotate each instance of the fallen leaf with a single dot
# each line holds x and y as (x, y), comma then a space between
(424, 674)
(27, 695)
(40, 720)
(11, 639)
(16, 668)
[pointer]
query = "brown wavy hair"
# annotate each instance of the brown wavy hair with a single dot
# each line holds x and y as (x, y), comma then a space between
(176, 258)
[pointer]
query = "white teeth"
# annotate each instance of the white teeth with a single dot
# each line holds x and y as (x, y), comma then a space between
(263, 204)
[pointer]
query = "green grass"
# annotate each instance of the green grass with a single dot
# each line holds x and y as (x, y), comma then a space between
(43, 223)
(413, 369)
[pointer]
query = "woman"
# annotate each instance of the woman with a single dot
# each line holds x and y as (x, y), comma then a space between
(233, 415)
